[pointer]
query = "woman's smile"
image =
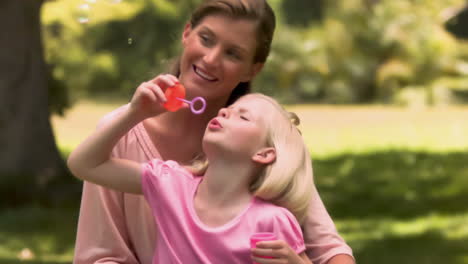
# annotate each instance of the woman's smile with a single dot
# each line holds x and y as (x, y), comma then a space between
(203, 74)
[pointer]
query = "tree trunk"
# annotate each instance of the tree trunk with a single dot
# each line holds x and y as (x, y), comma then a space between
(29, 158)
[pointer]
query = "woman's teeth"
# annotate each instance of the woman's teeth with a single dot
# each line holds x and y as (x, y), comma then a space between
(204, 75)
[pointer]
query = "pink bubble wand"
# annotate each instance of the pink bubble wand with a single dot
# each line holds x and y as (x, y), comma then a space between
(175, 96)
(192, 104)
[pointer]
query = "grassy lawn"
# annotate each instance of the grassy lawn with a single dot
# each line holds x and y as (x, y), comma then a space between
(394, 181)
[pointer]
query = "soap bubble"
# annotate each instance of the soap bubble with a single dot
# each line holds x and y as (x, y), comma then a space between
(83, 13)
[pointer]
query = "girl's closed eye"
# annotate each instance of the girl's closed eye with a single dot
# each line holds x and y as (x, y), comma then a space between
(244, 118)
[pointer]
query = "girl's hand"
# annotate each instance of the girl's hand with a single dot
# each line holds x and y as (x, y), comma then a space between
(149, 97)
(279, 250)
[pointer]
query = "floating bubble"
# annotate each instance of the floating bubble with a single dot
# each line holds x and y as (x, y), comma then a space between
(83, 13)
(83, 20)
(130, 41)
(84, 7)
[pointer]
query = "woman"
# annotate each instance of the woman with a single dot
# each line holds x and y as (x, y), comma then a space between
(225, 45)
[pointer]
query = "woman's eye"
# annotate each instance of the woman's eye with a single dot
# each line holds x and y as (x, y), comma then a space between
(233, 54)
(205, 39)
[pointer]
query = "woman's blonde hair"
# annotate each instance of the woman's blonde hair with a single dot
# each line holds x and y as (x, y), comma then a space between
(288, 181)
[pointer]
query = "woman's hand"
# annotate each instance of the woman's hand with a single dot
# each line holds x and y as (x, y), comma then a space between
(149, 97)
(281, 252)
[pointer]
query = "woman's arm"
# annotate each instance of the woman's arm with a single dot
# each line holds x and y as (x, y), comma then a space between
(341, 259)
(323, 243)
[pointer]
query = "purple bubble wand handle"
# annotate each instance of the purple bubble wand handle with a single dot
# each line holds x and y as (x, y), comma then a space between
(192, 104)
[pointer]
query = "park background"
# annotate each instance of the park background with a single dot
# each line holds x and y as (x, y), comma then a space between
(381, 87)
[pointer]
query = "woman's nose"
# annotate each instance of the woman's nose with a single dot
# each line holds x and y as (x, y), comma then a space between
(212, 56)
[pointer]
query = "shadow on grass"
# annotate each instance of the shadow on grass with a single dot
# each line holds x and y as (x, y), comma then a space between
(397, 184)
(47, 232)
(427, 248)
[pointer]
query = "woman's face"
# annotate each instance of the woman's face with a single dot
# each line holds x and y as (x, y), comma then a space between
(218, 54)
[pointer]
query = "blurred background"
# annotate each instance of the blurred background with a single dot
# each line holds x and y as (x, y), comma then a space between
(381, 87)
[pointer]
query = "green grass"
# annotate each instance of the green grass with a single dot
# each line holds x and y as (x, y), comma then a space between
(399, 206)
(48, 233)
(395, 183)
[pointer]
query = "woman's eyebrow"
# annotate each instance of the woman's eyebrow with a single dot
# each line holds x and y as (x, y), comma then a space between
(234, 46)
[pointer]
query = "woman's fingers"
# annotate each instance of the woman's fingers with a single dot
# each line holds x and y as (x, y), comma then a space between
(173, 78)
(158, 93)
(165, 80)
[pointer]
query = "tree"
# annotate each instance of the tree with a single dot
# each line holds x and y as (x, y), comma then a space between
(29, 159)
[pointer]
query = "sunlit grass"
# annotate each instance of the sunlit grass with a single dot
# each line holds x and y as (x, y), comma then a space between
(331, 130)
(327, 130)
(432, 238)
(450, 227)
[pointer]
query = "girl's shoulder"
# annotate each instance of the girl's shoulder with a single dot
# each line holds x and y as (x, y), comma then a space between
(271, 212)
(279, 220)
(159, 168)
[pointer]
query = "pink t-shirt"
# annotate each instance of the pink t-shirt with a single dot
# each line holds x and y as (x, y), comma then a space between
(183, 238)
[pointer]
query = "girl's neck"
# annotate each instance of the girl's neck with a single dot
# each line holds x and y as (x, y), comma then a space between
(226, 184)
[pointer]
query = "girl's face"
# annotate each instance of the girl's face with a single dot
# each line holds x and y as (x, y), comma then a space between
(218, 54)
(240, 129)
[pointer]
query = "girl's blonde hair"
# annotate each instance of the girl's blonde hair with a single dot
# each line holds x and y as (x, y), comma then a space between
(288, 181)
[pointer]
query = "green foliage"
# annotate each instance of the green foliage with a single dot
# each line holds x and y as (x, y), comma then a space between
(370, 51)
(119, 47)
(352, 51)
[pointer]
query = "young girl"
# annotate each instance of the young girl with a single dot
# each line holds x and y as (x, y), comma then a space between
(251, 158)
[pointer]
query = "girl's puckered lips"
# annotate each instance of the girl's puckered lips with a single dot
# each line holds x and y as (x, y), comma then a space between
(214, 124)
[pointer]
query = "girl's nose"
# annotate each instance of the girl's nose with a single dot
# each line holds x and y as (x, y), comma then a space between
(223, 112)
